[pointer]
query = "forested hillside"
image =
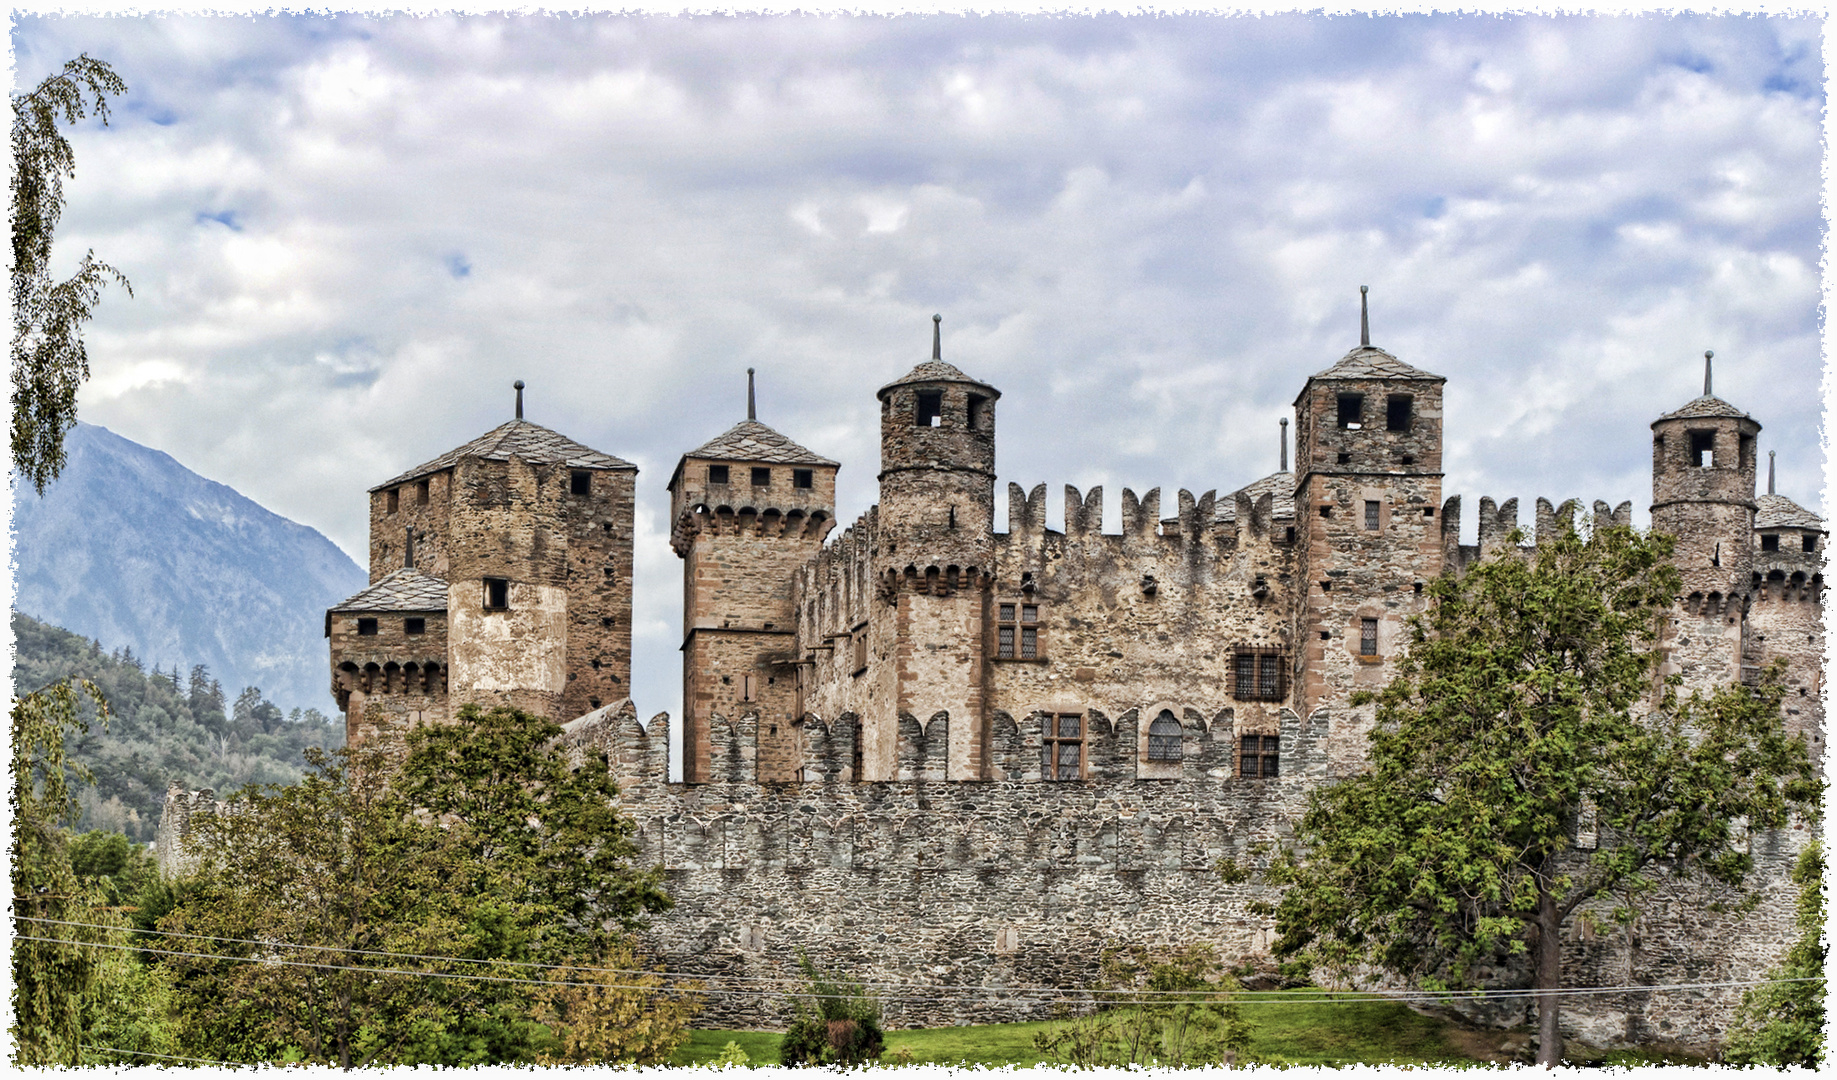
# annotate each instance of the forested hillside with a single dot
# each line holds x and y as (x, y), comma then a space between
(165, 725)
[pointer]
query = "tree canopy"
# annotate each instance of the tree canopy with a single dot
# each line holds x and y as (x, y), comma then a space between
(1527, 759)
(49, 360)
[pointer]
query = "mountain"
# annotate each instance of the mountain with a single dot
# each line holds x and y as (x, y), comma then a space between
(131, 548)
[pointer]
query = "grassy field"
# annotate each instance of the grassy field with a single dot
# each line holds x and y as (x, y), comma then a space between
(1324, 1031)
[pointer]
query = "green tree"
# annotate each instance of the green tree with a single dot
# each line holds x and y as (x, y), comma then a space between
(49, 361)
(1523, 708)
(1177, 1010)
(834, 1022)
(468, 908)
(1782, 1023)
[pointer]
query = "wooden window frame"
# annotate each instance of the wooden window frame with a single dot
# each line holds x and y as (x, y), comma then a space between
(1017, 630)
(1268, 675)
(1259, 757)
(1053, 745)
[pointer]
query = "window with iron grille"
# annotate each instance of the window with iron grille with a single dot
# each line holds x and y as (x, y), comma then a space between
(1062, 747)
(1371, 513)
(1164, 738)
(1260, 757)
(1259, 675)
(1017, 631)
(1368, 637)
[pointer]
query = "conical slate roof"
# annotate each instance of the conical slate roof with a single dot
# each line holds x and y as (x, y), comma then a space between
(1371, 362)
(521, 439)
(1705, 406)
(406, 589)
(935, 370)
(1779, 512)
(749, 440)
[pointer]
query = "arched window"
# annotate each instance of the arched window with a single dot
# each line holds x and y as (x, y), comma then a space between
(1164, 738)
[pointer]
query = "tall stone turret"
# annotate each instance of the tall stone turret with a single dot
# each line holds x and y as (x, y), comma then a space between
(1368, 475)
(935, 556)
(1703, 469)
(748, 509)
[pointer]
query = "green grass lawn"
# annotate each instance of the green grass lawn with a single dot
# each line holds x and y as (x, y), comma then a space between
(1329, 1030)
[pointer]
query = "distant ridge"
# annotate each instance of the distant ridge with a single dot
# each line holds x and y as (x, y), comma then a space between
(132, 548)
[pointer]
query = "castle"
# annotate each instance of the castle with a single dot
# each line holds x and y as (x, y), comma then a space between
(929, 751)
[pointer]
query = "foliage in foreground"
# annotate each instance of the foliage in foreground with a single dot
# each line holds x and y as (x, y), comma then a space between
(1782, 1023)
(834, 1023)
(49, 361)
(1173, 1011)
(488, 854)
(1518, 720)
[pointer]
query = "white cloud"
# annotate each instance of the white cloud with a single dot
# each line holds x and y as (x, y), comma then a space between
(348, 235)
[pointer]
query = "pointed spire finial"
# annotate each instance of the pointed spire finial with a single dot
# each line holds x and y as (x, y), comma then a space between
(1364, 319)
(519, 385)
(937, 337)
(1769, 472)
(1708, 355)
(752, 411)
(1284, 444)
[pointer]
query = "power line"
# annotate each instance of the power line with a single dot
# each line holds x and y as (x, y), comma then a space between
(921, 991)
(167, 1057)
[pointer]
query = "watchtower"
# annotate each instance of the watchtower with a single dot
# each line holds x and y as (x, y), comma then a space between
(1704, 461)
(748, 508)
(1368, 474)
(935, 560)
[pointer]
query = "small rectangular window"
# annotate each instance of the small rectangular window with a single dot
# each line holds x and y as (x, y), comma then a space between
(1005, 642)
(1351, 411)
(1062, 748)
(1770, 542)
(1030, 613)
(414, 626)
(1368, 637)
(929, 410)
(803, 478)
(1808, 542)
(1371, 513)
(1397, 412)
(366, 627)
(580, 482)
(1017, 633)
(717, 474)
(1326, 511)
(421, 492)
(393, 500)
(497, 594)
(861, 651)
(1703, 449)
(762, 478)
(1007, 613)
(1258, 674)
(977, 401)
(1260, 757)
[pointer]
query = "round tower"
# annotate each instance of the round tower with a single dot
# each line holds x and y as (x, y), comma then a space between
(1703, 467)
(937, 469)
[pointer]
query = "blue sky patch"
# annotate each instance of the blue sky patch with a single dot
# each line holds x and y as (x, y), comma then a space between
(226, 218)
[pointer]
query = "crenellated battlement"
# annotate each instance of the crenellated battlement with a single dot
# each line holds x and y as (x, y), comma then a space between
(1497, 521)
(768, 522)
(1198, 519)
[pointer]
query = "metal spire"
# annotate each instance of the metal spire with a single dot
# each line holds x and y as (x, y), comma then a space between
(1769, 472)
(1364, 319)
(519, 385)
(752, 410)
(937, 342)
(1708, 355)
(1285, 444)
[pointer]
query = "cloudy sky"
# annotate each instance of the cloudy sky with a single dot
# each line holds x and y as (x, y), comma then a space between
(348, 235)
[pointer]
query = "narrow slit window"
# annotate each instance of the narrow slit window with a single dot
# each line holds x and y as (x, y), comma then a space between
(976, 409)
(393, 500)
(929, 411)
(860, 644)
(421, 492)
